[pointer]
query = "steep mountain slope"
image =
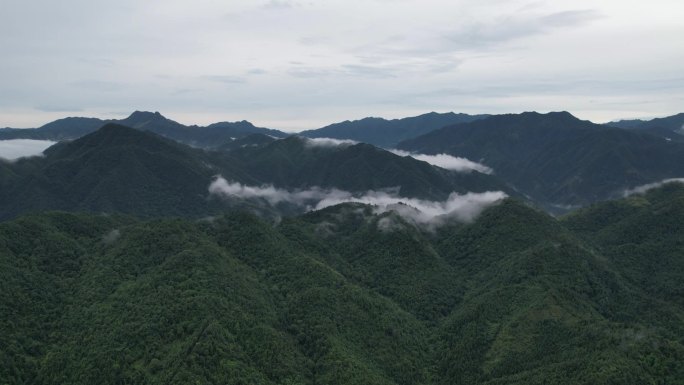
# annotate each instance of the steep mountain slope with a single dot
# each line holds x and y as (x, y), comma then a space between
(556, 158)
(338, 296)
(387, 133)
(643, 235)
(209, 136)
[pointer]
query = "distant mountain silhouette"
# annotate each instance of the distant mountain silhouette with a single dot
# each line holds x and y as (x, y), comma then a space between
(209, 136)
(671, 127)
(387, 133)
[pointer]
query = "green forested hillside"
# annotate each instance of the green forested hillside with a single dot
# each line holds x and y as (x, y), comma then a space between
(347, 296)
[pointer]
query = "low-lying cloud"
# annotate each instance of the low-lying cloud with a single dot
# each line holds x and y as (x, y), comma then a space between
(328, 142)
(20, 148)
(461, 207)
(644, 188)
(448, 162)
(274, 195)
(111, 236)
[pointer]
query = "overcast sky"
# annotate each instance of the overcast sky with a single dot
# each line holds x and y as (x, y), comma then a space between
(296, 65)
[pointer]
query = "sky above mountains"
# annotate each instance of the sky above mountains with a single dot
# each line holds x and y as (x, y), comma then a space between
(297, 65)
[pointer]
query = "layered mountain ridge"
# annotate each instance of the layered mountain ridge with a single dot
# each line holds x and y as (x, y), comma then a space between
(557, 159)
(121, 169)
(208, 136)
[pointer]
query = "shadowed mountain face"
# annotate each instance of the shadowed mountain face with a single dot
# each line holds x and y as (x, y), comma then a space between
(557, 159)
(376, 131)
(121, 169)
(209, 136)
(344, 295)
(387, 133)
(671, 128)
(297, 162)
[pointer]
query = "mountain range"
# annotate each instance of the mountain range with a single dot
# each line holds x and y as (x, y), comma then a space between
(121, 169)
(388, 133)
(130, 255)
(556, 159)
(376, 131)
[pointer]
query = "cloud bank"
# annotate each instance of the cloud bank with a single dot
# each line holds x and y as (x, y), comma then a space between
(448, 162)
(644, 188)
(20, 148)
(328, 142)
(464, 208)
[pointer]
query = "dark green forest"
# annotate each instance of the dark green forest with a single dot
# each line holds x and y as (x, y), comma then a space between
(347, 296)
(558, 160)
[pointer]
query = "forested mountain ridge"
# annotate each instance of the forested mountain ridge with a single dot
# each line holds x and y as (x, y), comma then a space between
(345, 295)
(557, 159)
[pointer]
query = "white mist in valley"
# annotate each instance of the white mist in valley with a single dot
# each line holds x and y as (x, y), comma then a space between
(20, 148)
(650, 186)
(328, 142)
(462, 207)
(447, 161)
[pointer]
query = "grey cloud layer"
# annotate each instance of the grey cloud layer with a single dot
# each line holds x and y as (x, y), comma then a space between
(320, 62)
(465, 207)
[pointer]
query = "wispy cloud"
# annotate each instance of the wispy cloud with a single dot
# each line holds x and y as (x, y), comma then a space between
(650, 186)
(111, 236)
(509, 28)
(226, 79)
(461, 207)
(448, 162)
(328, 142)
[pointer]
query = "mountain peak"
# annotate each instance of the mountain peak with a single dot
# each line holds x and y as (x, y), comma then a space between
(145, 115)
